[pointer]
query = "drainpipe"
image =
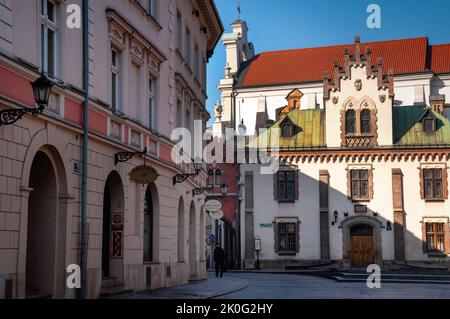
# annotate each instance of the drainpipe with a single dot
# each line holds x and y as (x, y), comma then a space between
(84, 230)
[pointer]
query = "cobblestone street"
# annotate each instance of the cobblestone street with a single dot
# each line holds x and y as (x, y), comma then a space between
(276, 286)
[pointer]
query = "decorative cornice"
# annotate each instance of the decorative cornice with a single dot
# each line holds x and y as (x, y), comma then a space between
(365, 155)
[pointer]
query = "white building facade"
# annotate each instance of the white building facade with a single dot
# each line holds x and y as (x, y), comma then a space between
(364, 153)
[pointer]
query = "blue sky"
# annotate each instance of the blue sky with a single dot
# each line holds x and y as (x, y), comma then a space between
(291, 24)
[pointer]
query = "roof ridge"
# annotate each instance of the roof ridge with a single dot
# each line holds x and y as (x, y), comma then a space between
(344, 44)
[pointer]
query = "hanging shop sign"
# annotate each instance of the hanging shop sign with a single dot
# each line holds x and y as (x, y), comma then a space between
(213, 205)
(143, 174)
(216, 215)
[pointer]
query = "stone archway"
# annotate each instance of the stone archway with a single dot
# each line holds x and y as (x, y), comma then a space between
(46, 226)
(113, 228)
(355, 226)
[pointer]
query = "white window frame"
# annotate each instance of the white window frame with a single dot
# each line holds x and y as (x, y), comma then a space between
(197, 61)
(115, 70)
(152, 89)
(45, 25)
(152, 8)
(179, 32)
(188, 46)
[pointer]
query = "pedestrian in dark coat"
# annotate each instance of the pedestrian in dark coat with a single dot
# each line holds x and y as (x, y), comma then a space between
(219, 259)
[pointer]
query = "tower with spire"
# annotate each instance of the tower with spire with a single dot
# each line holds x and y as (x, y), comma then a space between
(238, 51)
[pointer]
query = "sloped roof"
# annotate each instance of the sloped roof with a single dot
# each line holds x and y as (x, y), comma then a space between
(308, 65)
(408, 129)
(407, 126)
(312, 131)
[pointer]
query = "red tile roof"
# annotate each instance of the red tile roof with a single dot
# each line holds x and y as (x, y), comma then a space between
(440, 58)
(309, 64)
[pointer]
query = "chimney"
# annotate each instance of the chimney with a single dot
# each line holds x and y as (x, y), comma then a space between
(437, 103)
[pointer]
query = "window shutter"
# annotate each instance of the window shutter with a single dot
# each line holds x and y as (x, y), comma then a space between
(370, 177)
(445, 183)
(275, 186)
(349, 183)
(277, 237)
(422, 186)
(297, 237)
(296, 185)
(447, 237)
(424, 237)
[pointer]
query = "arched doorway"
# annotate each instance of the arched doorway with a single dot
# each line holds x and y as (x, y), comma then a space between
(362, 245)
(42, 228)
(192, 241)
(151, 222)
(113, 228)
(361, 241)
(148, 227)
(180, 241)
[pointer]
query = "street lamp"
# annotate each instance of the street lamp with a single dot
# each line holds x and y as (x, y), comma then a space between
(335, 215)
(42, 88)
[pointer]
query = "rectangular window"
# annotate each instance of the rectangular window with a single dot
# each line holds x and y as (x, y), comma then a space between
(49, 38)
(359, 184)
(286, 237)
(115, 79)
(435, 237)
(152, 8)
(179, 114)
(152, 103)
(188, 46)
(433, 183)
(179, 33)
(188, 120)
(286, 185)
(196, 62)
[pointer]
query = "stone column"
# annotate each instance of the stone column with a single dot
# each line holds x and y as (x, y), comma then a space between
(324, 185)
(249, 256)
(399, 214)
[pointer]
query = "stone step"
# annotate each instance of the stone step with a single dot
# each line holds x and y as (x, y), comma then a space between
(396, 276)
(109, 282)
(114, 291)
(384, 279)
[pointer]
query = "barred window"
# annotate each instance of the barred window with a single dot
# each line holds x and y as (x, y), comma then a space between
(433, 183)
(435, 237)
(359, 184)
(286, 237)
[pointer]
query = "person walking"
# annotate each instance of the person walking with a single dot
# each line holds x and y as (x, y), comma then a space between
(219, 260)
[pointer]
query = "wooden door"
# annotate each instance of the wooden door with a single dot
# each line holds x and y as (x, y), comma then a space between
(362, 250)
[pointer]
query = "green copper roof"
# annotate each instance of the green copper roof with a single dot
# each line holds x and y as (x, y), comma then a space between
(230, 36)
(408, 130)
(311, 127)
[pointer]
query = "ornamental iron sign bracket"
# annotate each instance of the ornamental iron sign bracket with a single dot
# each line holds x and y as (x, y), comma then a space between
(11, 116)
(123, 157)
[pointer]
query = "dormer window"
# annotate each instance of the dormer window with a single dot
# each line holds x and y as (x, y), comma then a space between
(429, 124)
(286, 130)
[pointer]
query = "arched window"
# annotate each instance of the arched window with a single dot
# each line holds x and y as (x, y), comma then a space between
(218, 181)
(350, 122)
(148, 226)
(365, 121)
(211, 178)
